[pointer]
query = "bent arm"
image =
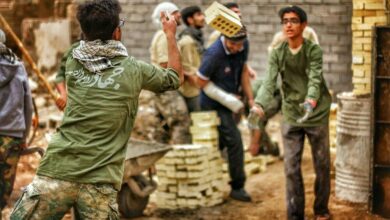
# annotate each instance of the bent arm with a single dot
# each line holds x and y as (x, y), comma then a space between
(246, 85)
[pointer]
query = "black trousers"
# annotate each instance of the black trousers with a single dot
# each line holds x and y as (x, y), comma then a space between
(293, 140)
(230, 137)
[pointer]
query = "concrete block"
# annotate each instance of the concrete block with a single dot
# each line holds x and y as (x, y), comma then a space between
(222, 19)
(377, 20)
(374, 6)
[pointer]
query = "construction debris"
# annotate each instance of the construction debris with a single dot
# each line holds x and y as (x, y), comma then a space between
(190, 176)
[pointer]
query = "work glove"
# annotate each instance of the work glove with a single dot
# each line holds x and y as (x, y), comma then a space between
(255, 115)
(308, 107)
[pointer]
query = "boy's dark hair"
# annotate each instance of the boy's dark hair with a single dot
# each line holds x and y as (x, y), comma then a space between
(99, 18)
(297, 10)
(231, 5)
(189, 12)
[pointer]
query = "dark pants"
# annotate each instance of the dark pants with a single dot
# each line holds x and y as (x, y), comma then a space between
(293, 139)
(9, 156)
(230, 137)
(193, 103)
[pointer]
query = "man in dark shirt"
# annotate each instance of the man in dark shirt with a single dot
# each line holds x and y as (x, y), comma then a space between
(220, 75)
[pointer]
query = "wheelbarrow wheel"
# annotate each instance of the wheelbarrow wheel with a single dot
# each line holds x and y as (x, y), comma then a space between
(130, 204)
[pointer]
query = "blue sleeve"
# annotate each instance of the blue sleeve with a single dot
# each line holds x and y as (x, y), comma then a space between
(208, 66)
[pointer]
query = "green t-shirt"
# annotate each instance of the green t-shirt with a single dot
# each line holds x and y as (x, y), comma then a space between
(90, 144)
(302, 78)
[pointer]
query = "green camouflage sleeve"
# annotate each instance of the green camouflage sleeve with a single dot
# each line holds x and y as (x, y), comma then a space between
(158, 79)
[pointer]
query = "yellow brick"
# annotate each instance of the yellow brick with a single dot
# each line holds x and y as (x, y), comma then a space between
(358, 73)
(367, 59)
(366, 68)
(359, 13)
(374, 6)
(361, 27)
(357, 20)
(362, 80)
(358, 5)
(375, 20)
(357, 47)
(362, 91)
(371, 1)
(367, 47)
(357, 59)
(359, 86)
(357, 34)
(362, 40)
(367, 74)
(380, 13)
(367, 33)
(361, 53)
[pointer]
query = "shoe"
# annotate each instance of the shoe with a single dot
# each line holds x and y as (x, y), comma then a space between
(240, 195)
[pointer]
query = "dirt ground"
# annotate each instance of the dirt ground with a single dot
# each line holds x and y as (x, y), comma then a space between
(268, 193)
(267, 190)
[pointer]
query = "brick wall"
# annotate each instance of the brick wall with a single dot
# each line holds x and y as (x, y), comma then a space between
(331, 19)
(366, 14)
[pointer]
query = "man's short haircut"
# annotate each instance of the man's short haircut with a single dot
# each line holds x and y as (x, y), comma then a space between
(231, 5)
(297, 10)
(189, 12)
(99, 18)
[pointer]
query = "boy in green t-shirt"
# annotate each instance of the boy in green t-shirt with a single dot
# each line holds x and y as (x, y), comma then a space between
(84, 162)
(299, 63)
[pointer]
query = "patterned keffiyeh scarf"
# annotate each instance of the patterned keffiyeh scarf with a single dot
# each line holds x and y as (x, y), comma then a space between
(95, 55)
(197, 34)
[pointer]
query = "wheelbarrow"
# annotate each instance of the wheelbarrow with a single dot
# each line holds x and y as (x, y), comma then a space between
(136, 188)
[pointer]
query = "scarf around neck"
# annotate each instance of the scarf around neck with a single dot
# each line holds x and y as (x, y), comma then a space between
(95, 55)
(197, 35)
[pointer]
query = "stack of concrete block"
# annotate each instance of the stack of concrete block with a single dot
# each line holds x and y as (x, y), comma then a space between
(190, 176)
(252, 164)
(366, 15)
(223, 19)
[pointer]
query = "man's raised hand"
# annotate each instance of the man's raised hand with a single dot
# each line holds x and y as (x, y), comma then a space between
(169, 23)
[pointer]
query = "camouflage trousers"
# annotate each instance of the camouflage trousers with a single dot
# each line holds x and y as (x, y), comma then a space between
(48, 198)
(9, 156)
(293, 138)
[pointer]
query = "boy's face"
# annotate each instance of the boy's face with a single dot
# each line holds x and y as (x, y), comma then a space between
(198, 20)
(292, 25)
